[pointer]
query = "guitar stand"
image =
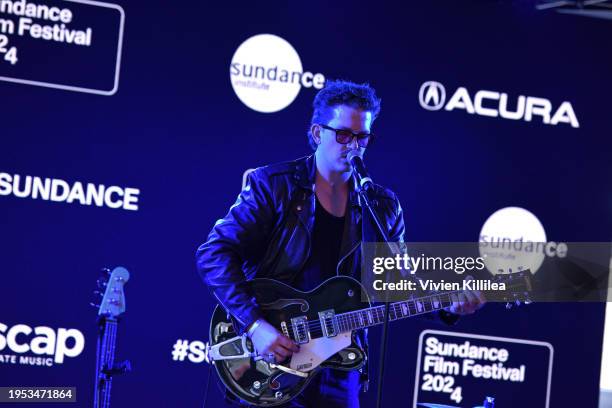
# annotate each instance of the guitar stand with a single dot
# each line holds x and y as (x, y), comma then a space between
(106, 373)
(117, 369)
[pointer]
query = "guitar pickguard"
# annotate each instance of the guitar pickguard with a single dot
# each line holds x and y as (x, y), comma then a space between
(316, 351)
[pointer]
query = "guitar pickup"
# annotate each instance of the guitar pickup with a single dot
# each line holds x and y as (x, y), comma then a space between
(329, 323)
(300, 329)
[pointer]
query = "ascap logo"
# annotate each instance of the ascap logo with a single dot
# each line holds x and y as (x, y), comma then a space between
(266, 73)
(432, 96)
(48, 345)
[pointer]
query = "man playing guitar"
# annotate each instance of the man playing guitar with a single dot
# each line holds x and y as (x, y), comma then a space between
(301, 222)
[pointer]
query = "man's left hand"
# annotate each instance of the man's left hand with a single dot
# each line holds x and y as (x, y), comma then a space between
(467, 301)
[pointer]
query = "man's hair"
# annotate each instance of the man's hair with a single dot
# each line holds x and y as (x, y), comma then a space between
(340, 92)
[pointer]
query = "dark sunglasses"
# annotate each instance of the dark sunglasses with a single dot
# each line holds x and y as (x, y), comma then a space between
(345, 136)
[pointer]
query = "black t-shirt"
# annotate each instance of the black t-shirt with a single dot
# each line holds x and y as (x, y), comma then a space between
(324, 249)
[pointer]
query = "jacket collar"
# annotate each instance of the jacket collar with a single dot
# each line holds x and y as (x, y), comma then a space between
(305, 175)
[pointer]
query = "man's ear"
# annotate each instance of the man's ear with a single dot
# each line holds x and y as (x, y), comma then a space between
(315, 131)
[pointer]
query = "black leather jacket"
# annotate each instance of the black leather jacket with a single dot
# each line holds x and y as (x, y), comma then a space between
(268, 232)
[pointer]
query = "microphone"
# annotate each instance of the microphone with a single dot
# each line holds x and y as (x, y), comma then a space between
(359, 170)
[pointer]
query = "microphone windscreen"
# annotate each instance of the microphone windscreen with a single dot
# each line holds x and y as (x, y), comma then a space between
(352, 155)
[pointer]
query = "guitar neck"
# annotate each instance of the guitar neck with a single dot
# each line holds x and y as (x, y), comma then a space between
(106, 357)
(111, 306)
(375, 315)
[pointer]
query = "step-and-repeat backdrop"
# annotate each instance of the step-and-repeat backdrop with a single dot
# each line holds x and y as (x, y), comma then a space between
(127, 128)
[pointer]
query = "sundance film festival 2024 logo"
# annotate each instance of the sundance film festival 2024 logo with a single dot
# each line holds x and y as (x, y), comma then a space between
(432, 97)
(267, 75)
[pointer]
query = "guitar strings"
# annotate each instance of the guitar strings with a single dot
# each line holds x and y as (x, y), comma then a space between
(112, 328)
(349, 319)
(408, 308)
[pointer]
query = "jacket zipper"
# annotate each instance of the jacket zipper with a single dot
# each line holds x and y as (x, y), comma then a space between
(345, 256)
(304, 260)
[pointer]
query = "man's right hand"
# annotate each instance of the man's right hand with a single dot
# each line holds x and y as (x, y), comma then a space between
(267, 340)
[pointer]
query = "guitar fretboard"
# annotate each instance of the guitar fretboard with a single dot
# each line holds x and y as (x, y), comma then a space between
(106, 357)
(372, 316)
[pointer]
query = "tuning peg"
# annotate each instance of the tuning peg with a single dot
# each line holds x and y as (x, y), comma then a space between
(101, 283)
(98, 293)
(105, 271)
(508, 305)
(92, 304)
(517, 302)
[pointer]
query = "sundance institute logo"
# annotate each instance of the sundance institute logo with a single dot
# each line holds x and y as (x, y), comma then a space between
(513, 238)
(267, 75)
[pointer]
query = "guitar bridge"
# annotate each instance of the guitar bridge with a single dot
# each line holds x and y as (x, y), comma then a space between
(329, 324)
(300, 329)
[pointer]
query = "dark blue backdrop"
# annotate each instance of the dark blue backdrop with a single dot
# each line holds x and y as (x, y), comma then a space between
(176, 131)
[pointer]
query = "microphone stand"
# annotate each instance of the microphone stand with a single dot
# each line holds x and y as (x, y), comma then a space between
(363, 193)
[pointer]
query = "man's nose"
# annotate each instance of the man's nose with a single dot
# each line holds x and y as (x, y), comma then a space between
(353, 144)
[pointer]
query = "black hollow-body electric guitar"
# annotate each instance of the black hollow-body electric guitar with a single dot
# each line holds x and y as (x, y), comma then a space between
(323, 322)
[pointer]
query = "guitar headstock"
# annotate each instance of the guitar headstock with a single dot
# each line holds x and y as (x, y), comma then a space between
(110, 291)
(518, 287)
